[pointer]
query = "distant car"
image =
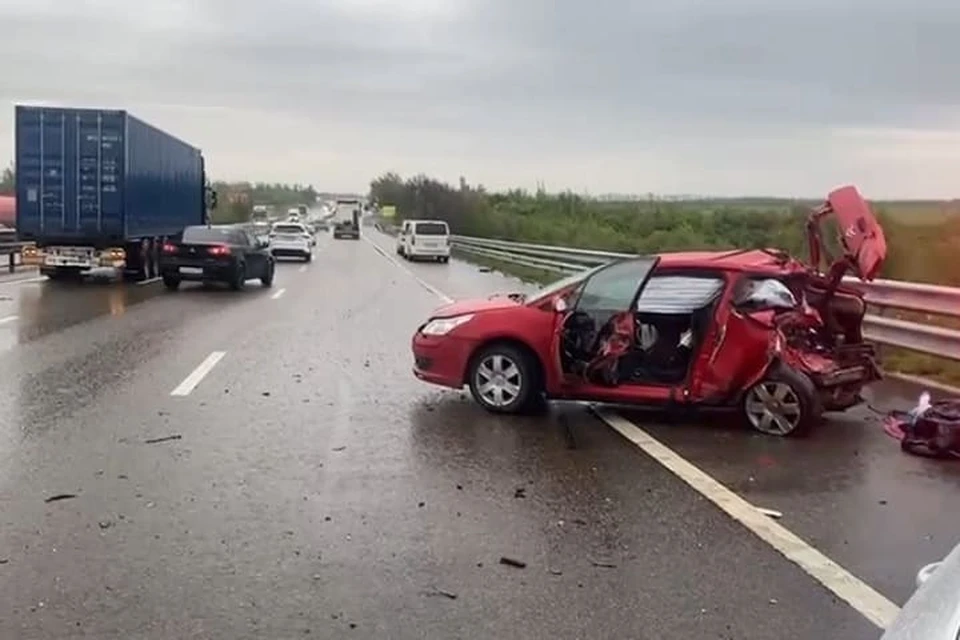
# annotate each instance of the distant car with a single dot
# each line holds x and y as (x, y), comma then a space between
(424, 239)
(754, 330)
(346, 229)
(933, 611)
(291, 239)
(227, 254)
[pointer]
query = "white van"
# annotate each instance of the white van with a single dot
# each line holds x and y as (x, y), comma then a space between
(424, 239)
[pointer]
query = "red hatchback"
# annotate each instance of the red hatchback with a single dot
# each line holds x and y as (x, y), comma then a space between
(756, 330)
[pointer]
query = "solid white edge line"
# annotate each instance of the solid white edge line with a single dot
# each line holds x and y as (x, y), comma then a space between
(277, 295)
(867, 601)
(191, 381)
(426, 285)
(863, 598)
(8, 319)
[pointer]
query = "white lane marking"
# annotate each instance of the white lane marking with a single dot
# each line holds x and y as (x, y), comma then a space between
(8, 319)
(149, 281)
(23, 280)
(302, 269)
(859, 595)
(277, 295)
(423, 283)
(198, 374)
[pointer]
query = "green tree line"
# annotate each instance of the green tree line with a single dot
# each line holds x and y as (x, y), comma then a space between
(645, 226)
(8, 181)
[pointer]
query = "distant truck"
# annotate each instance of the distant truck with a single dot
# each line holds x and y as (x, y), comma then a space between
(345, 208)
(101, 188)
(302, 210)
(348, 227)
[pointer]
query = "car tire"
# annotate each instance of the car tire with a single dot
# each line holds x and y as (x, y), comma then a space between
(267, 279)
(308, 257)
(444, 259)
(784, 403)
(171, 283)
(518, 371)
(239, 280)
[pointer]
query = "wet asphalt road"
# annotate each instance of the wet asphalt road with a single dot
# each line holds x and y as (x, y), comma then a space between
(319, 490)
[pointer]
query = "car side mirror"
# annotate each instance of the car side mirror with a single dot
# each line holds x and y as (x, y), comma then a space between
(559, 305)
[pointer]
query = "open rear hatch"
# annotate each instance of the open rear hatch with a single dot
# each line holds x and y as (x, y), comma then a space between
(861, 237)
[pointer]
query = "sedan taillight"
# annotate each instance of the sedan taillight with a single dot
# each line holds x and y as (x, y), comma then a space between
(220, 250)
(169, 247)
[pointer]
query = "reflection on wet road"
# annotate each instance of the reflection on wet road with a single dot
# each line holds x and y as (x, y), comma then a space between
(317, 489)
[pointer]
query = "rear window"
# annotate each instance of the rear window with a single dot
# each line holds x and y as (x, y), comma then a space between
(287, 228)
(210, 235)
(431, 229)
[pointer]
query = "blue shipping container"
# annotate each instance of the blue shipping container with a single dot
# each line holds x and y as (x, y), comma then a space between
(98, 177)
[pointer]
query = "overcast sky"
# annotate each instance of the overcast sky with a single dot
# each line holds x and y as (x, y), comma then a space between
(692, 96)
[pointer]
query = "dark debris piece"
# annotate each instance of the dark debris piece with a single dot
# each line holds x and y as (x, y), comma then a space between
(61, 496)
(175, 436)
(511, 562)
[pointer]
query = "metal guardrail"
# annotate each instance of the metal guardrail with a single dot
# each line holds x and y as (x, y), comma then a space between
(881, 295)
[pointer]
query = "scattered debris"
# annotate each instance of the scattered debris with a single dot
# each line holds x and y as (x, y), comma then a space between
(773, 513)
(881, 502)
(61, 496)
(339, 448)
(773, 601)
(510, 562)
(175, 436)
(602, 564)
(556, 572)
(521, 492)
(265, 393)
(484, 269)
(105, 524)
(440, 592)
(459, 487)
(580, 521)
(421, 505)
(4, 560)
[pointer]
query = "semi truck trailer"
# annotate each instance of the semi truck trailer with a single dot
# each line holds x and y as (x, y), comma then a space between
(101, 188)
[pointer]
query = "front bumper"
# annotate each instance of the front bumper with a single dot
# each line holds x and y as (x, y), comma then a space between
(441, 360)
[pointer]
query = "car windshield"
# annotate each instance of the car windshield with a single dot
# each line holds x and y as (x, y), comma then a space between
(561, 284)
(208, 235)
(287, 228)
(431, 229)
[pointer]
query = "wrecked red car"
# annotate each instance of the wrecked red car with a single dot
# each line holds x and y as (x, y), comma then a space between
(757, 330)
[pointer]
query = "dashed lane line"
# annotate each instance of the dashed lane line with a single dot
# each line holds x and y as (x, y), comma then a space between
(868, 602)
(197, 375)
(278, 294)
(8, 319)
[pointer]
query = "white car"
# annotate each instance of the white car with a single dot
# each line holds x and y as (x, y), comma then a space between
(428, 239)
(291, 239)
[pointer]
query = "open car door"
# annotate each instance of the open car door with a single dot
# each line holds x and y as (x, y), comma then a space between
(599, 326)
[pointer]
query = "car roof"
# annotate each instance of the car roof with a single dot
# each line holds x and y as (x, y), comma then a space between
(772, 261)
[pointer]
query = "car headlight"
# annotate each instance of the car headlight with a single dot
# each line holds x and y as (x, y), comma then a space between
(443, 326)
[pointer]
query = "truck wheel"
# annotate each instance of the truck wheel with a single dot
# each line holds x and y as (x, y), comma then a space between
(308, 257)
(239, 278)
(171, 283)
(785, 403)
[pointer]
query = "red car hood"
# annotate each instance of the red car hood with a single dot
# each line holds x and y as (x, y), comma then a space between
(475, 305)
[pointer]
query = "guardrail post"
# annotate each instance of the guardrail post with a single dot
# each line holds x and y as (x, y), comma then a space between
(13, 261)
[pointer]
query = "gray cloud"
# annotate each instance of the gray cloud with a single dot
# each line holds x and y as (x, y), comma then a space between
(690, 96)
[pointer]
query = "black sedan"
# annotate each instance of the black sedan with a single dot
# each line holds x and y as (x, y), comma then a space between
(225, 254)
